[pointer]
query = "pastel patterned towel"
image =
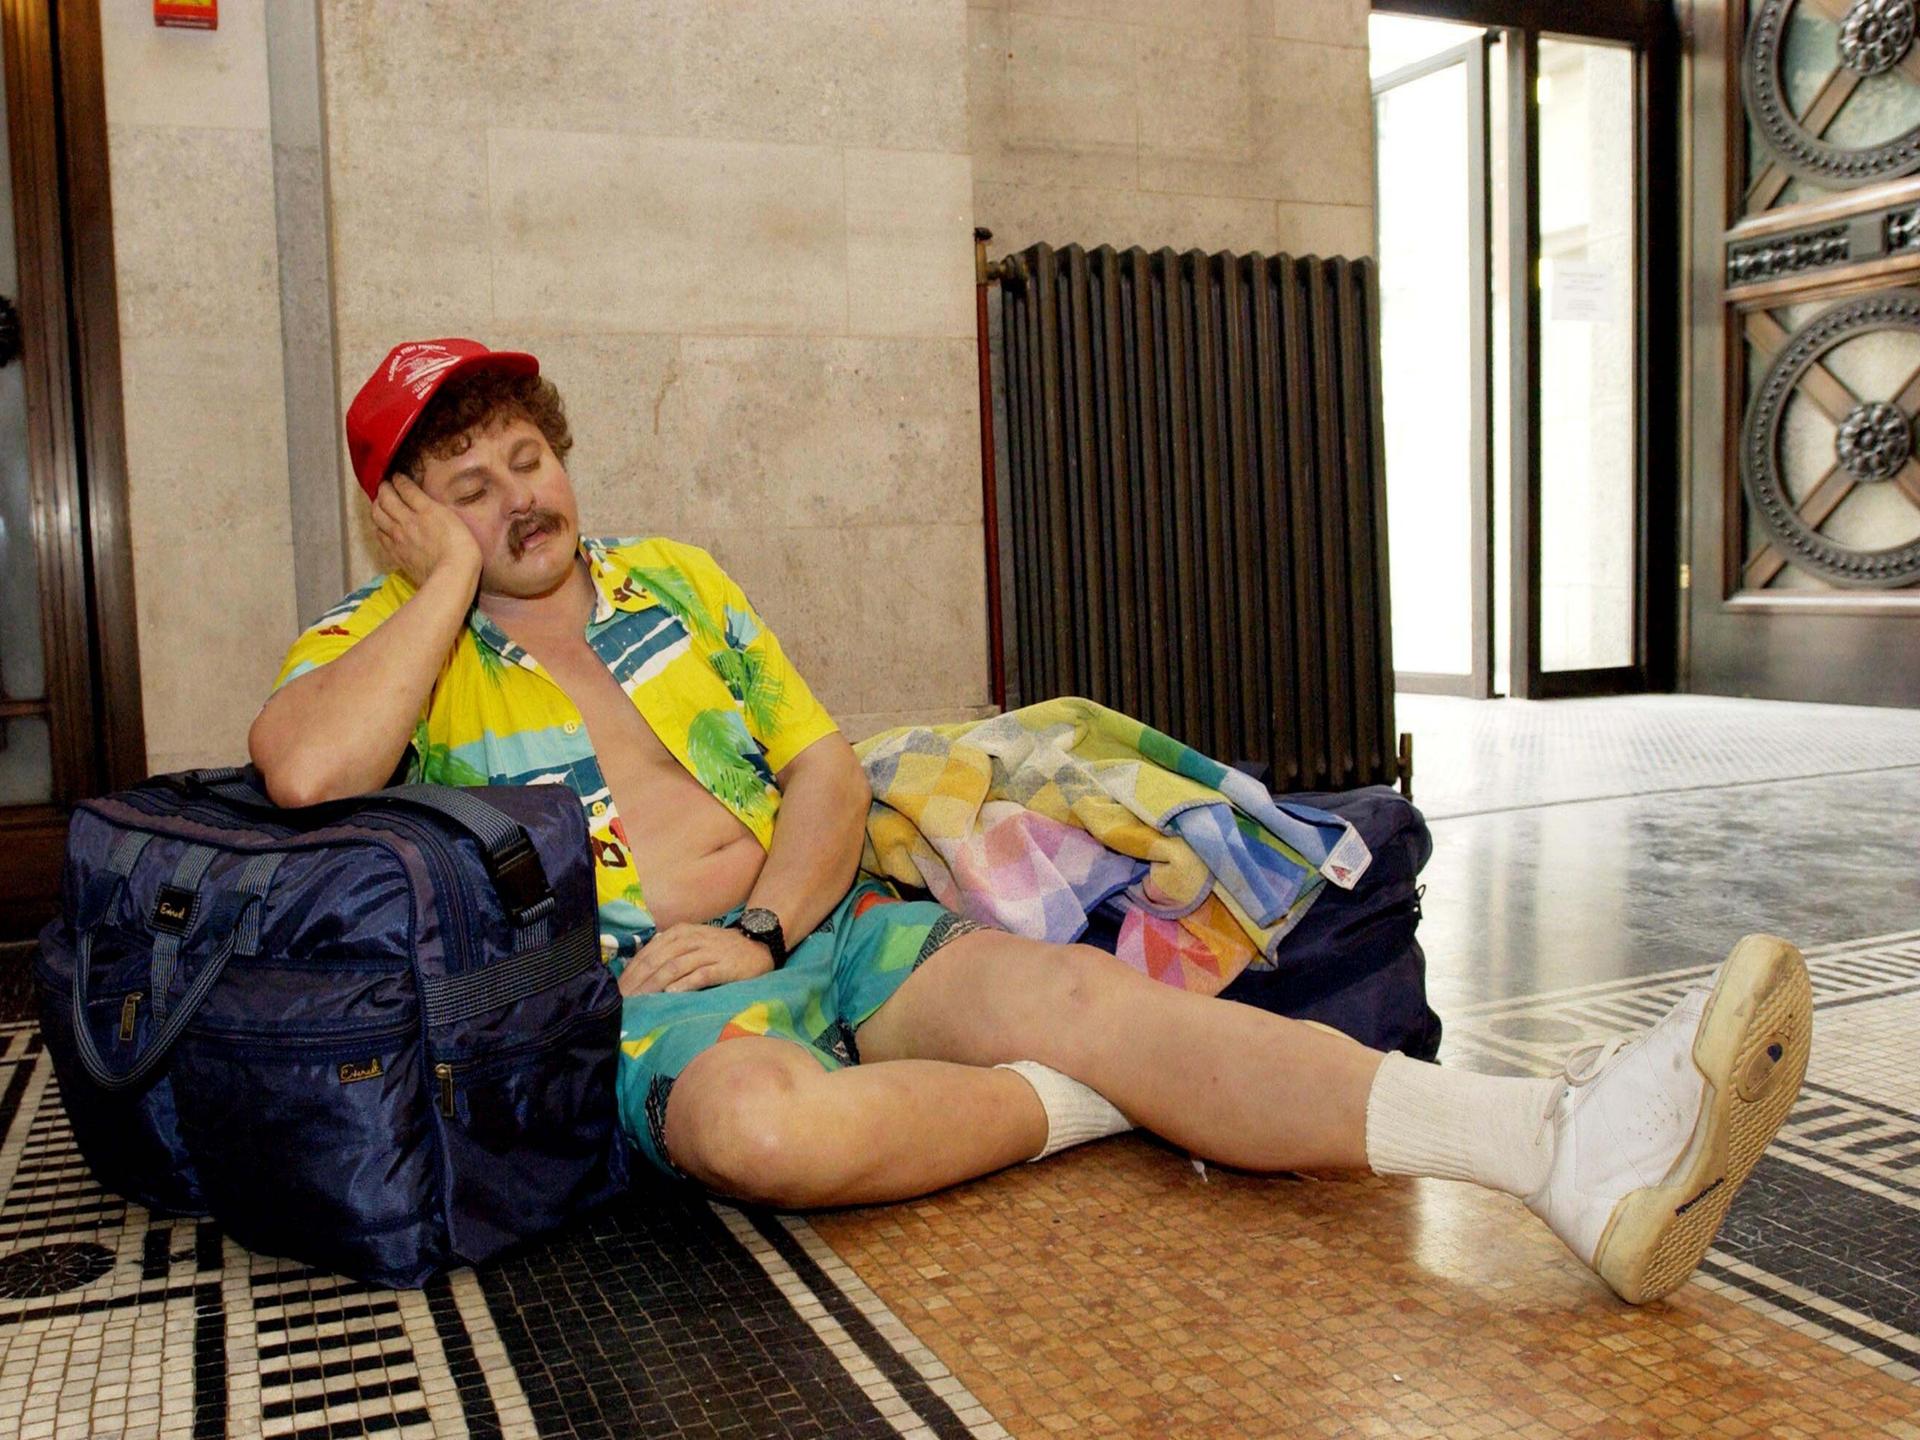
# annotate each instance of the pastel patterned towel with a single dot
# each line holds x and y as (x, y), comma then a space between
(1033, 819)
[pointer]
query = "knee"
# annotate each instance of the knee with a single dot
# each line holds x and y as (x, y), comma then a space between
(1074, 995)
(1082, 978)
(737, 1126)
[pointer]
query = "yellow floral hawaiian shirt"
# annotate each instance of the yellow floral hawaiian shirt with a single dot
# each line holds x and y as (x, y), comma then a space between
(680, 637)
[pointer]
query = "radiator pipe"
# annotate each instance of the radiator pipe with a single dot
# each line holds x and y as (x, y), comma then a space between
(984, 274)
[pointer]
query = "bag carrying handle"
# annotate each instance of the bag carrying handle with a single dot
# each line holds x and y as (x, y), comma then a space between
(247, 899)
(512, 863)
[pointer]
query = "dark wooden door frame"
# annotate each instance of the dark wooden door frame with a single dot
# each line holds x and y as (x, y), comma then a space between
(1648, 26)
(1477, 683)
(56, 124)
(1633, 21)
(121, 722)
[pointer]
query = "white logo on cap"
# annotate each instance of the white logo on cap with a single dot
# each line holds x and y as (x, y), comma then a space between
(418, 366)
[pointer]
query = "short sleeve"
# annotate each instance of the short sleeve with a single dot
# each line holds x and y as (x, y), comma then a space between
(779, 708)
(344, 626)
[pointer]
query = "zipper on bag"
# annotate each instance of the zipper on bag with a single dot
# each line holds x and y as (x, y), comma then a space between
(567, 1030)
(275, 1045)
(443, 1073)
(433, 848)
(128, 1009)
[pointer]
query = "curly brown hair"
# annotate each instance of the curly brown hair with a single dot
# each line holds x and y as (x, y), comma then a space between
(478, 402)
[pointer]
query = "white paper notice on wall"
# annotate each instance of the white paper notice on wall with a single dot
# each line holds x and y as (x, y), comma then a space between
(1581, 290)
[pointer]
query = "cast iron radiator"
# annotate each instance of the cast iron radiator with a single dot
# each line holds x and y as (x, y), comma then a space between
(1194, 527)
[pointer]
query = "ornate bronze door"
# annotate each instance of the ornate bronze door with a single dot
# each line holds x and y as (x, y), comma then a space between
(1805, 533)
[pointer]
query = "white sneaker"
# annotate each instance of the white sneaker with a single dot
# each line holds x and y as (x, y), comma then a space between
(1652, 1136)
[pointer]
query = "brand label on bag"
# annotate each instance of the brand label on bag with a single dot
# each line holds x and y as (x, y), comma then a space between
(354, 1070)
(173, 909)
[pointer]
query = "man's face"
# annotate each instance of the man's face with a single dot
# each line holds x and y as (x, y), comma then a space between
(512, 493)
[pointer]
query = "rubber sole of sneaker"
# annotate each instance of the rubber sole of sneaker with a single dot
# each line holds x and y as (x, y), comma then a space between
(1751, 1047)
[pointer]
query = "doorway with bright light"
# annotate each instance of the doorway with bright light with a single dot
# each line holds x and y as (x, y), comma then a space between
(1527, 480)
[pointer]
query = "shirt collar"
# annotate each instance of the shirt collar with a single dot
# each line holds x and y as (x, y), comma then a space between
(614, 590)
(614, 587)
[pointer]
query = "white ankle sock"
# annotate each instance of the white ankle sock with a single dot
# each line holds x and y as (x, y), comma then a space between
(1454, 1125)
(1075, 1112)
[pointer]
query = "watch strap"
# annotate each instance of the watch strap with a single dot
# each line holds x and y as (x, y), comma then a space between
(774, 937)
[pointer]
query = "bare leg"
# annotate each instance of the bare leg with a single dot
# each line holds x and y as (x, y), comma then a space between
(758, 1119)
(1227, 1081)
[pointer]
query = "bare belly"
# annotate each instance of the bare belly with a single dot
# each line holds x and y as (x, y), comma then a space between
(693, 857)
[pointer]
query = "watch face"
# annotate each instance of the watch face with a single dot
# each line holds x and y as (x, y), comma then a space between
(761, 924)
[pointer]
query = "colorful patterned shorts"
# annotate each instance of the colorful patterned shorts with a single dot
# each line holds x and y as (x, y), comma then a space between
(834, 979)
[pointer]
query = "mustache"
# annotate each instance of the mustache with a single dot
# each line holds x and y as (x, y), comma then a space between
(537, 522)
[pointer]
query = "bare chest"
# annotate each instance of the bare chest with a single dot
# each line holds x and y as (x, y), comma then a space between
(693, 857)
(612, 720)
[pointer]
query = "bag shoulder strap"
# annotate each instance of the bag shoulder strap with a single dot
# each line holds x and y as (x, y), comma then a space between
(512, 862)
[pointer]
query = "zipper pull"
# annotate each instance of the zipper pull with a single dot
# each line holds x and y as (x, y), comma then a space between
(443, 1072)
(128, 1008)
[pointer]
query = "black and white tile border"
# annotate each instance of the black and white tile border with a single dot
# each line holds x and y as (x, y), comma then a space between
(692, 1319)
(1825, 1236)
(905, 1380)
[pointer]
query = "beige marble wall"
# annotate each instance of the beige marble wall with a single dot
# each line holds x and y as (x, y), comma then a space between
(1221, 124)
(191, 168)
(737, 235)
(739, 238)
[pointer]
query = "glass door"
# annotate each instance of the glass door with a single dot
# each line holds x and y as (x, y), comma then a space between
(1430, 119)
(1589, 360)
(1526, 209)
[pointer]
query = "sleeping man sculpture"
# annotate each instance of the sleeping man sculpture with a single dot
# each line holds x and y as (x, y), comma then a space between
(796, 1033)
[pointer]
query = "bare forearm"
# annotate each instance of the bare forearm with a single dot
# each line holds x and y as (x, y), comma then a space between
(816, 841)
(341, 729)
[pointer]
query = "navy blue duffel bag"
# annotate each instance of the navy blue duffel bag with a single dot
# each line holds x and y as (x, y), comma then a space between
(1352, 962)
(374, 1035)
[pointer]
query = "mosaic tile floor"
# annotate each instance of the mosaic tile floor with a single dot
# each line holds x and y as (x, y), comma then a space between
(665, 1316)
(1119, 1290)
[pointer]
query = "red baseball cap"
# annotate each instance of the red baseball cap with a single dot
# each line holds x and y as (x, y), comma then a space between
(395, 395)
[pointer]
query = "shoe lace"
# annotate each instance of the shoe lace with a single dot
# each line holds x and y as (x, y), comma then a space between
(1582, 1066)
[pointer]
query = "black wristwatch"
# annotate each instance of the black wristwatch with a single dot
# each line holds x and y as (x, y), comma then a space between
(763, 925)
